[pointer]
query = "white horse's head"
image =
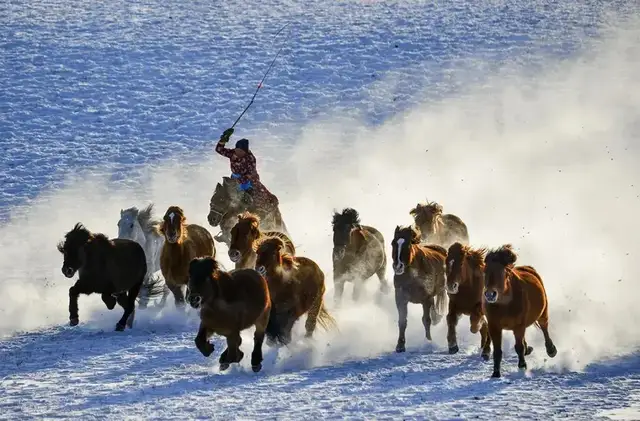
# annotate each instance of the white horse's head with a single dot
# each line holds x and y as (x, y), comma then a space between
(129, 228)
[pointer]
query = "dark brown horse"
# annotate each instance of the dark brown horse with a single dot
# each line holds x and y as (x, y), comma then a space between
(245, 235)
(358, 254)
(115, 269)
(418, 278)
(465, 285)
(231, 302)
(296, 286)
(227, 202)
(515, 298)
(436, 228)
(183, 243)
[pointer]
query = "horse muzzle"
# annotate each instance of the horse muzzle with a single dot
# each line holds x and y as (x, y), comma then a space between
(261, 270)
(195, 301)
(234, 255)
(214, 219)
(491, 296)
(398, 269)
(68, 271)
(339, 252)
(452, 289)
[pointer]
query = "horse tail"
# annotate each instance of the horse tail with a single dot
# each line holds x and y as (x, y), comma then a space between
(274, 330)
(325, 319)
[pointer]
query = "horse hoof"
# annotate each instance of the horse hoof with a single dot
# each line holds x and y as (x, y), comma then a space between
(495, 375)
(256, 368)
(454, 349)
(529, 350)
(74, 322)
(119, 327)
(522, 366)
(400, 348)
(224, 366)
(552, 351)
(428, 336)
(486, 356)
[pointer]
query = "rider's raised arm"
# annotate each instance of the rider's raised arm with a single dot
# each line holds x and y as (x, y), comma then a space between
(222, 150)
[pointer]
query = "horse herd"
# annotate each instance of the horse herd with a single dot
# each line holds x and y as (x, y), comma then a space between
(272, 286)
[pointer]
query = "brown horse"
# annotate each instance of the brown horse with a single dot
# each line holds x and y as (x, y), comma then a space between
(183, 242)
(515, 299)
(227, 202)
(436, 228)
(296, 285)
(418, 278)
(465, 285)
(116, 269)
(358, 254)
(231, 302)
(245, 235)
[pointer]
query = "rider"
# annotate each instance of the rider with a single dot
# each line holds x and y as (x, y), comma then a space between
(243, 169)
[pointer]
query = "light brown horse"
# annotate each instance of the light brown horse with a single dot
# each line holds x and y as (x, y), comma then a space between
(358, 254)
(296, 285)
(465, 286)
(515, 298)
(183, 242)
(418, 278)
(231, 302)
(245, 235)
(436, 228)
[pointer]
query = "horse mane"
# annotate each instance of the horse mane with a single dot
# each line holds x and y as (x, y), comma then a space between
(411, 231)
(348, 217)
(474, 257)
(271, 244)
(425, 211)
(250, 218)
(435, 247)
(503, 255)
(78, 230)
(102, 240)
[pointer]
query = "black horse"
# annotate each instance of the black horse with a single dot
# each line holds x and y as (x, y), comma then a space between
(113, 268)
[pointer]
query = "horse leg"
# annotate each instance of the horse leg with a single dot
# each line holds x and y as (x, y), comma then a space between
(495, 332)
(452, 322)
(338, 289)
(178, 295)
(144, 299)
(122, 300)
(202, 341)
(358, 284)
(543, 322)
(232, 354)
(74, 292)
(109, 300)
(426, 316)
(312, 316)
(130, 307)
(258, 339)
(382, 276)
(402, 307)
(477, 323)
(520, 346)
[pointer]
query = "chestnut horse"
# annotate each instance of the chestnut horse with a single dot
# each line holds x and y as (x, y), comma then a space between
(227, 202)
(231, 302)
(183, 242)
(296, 286)
(465, 286)
(245, 235)
(515, 298)
(436, 228)
(116, 269)
(418, 278)
(358, 254)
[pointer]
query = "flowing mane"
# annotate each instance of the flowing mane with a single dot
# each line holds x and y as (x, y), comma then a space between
(145, 218)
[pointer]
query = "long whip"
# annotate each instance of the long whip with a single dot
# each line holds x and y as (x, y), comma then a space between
(263, 77)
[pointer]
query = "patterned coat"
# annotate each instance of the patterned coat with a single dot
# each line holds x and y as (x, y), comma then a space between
(245, 167)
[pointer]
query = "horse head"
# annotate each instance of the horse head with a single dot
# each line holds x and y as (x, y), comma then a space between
(403, 239)
(72, 248)
(426, 216)
(173, 224)
(225, 197)
(129, 227)
(201, 285)
(343, 224)
(243, 235)
(498, 266)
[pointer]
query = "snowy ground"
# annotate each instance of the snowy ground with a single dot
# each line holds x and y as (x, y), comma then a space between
(520, 117)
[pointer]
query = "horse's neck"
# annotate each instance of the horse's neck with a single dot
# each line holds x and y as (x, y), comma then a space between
(248, 259)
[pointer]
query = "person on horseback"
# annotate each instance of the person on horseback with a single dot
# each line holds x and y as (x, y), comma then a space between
(243, 169)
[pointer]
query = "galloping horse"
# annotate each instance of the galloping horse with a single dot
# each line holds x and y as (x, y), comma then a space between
(358, 254)
(296, 286)
(418, 278)
(245, 235)
(515, 299)
(231, 302)
(116, 269)
(465, 285)
(227, 202)
(140, 226)
(183, 243)
(436, 228)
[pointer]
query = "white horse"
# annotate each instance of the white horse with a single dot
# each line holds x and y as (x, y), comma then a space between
(139, 226)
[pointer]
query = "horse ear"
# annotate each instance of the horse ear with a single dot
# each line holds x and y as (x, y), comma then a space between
(121, 211)
(414, 211)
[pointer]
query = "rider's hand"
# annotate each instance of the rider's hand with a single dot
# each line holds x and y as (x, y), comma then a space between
(226, 135)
